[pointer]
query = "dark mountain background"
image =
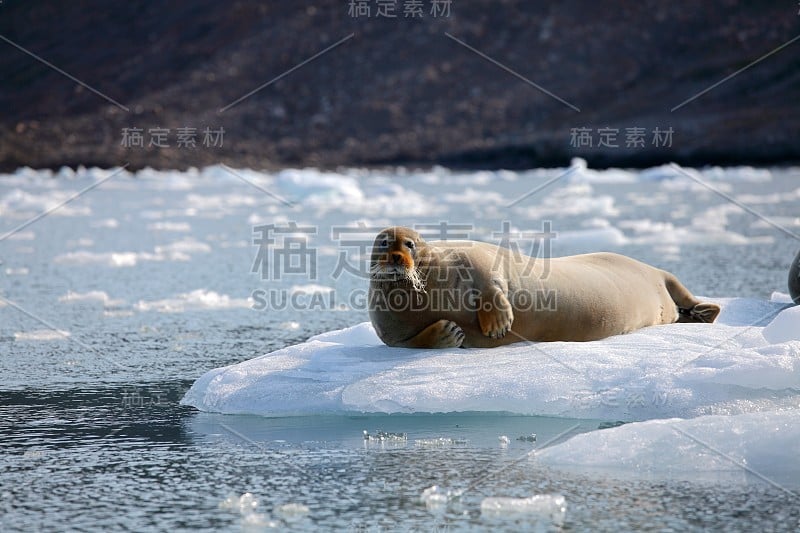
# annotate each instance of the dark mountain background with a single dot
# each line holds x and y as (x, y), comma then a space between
(399, 90)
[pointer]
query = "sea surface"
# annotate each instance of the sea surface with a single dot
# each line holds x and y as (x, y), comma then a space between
(115, 302)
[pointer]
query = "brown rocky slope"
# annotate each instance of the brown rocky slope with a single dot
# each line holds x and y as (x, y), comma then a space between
(398, 90)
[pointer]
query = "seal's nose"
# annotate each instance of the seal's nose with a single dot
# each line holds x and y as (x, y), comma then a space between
(397, 258)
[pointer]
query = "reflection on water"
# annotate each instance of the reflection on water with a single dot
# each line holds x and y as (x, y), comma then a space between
(132, 458)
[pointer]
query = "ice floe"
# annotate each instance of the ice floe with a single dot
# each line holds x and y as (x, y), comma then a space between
(200, 299)
(41, 335)
(763, 444)
(551, 508)
(665, 371)
(175, 251)
(91, 296)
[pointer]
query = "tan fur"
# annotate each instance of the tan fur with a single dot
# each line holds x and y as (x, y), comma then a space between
(583, 297)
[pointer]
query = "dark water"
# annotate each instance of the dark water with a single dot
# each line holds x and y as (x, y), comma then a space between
(92, 436)
(123, 458)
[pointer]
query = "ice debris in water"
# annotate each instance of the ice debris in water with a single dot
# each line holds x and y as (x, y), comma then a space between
(552, 507)
(527, 438)
(259, 521)
(292, 511)
(503, 440)
(383, 436)
(439, 442)
(436, 497)
(244, 504)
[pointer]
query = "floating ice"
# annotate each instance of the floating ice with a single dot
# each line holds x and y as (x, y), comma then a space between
(785, 327)
(311, 288)
(107, 223)
(41, 335)
(25, 204)
(112, 259)
(91, 296)
(385, 436)
(473, 196)
(259, 521)
(200, 299)
(780, 297)
(552, 507)
(584, 174)
(665, 371)
(439, 442)
(219, 202)
(187, 246)
(22, 236)
(325, 191)
(319, 188)
(182, 227)
(436, 497)
(175, 251)
(573, 200)
(593, 238)
(763, 444)
(244, 503)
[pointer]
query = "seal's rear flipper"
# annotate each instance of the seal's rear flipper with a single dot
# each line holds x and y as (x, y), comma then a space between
(702, 312)
(689, 308)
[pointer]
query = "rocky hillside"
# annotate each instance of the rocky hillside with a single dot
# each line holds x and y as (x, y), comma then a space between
(502, 83)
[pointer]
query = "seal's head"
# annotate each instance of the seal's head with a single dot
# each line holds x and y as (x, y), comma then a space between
(394, 257)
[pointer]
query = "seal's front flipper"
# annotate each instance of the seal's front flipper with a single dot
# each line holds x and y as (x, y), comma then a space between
(440, 334)
(702, 312)
(495, 315)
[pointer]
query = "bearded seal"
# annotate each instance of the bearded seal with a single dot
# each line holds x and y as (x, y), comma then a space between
(794, 279)
(447, 294)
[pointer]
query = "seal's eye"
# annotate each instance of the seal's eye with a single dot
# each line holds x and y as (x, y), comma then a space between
(410, 245)
(384, 243)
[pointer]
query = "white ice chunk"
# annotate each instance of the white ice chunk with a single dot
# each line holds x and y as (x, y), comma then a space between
(768, 444)
(436, 498)
(199, 299)
(311, 288)
(552, 507)
(662, 371)
(90, 296)
(41, 335)
(785, 327)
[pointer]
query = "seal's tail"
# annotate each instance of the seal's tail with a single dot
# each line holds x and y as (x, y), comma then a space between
(690, 309)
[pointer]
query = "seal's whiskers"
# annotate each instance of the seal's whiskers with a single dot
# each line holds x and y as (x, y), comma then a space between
(381, 272)
(413, 276)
